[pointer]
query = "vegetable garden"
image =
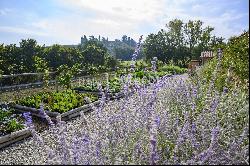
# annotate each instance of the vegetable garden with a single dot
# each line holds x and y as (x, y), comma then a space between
(158, 116)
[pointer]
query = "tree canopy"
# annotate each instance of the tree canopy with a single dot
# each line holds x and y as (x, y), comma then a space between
(180, 41)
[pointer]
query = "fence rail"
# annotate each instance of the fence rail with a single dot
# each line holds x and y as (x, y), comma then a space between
(39, 82)
(24, 74)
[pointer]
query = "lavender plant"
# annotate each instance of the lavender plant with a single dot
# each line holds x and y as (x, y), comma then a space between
(171, 121)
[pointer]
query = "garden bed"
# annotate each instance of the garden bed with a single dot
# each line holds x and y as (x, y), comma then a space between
(66, 103)
(112, 96)
(12, 128)
(14, 137)
(64, 116)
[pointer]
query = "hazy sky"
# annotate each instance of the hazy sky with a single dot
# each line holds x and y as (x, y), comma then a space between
(65, 21)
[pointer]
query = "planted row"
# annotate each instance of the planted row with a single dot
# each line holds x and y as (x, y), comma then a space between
(58, 101)
(115, 84)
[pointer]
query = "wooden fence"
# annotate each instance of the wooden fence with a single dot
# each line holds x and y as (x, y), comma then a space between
(36, 83)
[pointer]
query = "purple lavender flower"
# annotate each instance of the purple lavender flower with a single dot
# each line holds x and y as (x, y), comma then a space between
(137, 50)
(157, 121)
(214, 104)
(45, 115)
(225, 90)
(75, 147)
(98, 148)
(205, 155)
(28, 119)
(153, 150)
(194, 142)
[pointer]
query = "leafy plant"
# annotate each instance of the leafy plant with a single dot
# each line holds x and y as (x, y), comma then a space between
(234, 68)
(13, 125)
(66, 74)
(10, 122)
(114, 86)
(57, 101)
(173, 69)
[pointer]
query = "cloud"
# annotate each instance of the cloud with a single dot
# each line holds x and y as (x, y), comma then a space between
(117, 12)
(70, 30)
(72, 19)
(224, 20)
(5, 11)
(114, 18)
(111, 19)
(19, 30)
(139, 10)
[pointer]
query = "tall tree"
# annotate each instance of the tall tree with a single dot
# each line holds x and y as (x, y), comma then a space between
(180, 41)
(28, 49)
(94, 53)
(193, 31)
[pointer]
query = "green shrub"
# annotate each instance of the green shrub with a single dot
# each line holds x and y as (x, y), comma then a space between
(173, 69)
(139, 74)
(234, 69)
(236, 55)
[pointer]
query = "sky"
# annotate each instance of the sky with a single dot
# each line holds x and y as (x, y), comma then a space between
(65, 21)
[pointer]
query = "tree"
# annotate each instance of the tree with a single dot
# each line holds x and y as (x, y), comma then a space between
(94, 53)
(110, 62)
(57, 55)
(176, 38)
(42, 66)
(11, 60)
(193, 31)
(28, 49)
(2, 53)
(175, 32)
(158, 45)
(180, 42)
(216, 41)
(123, 51)
(124, 38)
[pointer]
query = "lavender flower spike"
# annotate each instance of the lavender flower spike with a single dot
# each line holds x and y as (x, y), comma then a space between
(28, 119)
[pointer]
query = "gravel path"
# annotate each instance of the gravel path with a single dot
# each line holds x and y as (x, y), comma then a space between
(28, 152)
